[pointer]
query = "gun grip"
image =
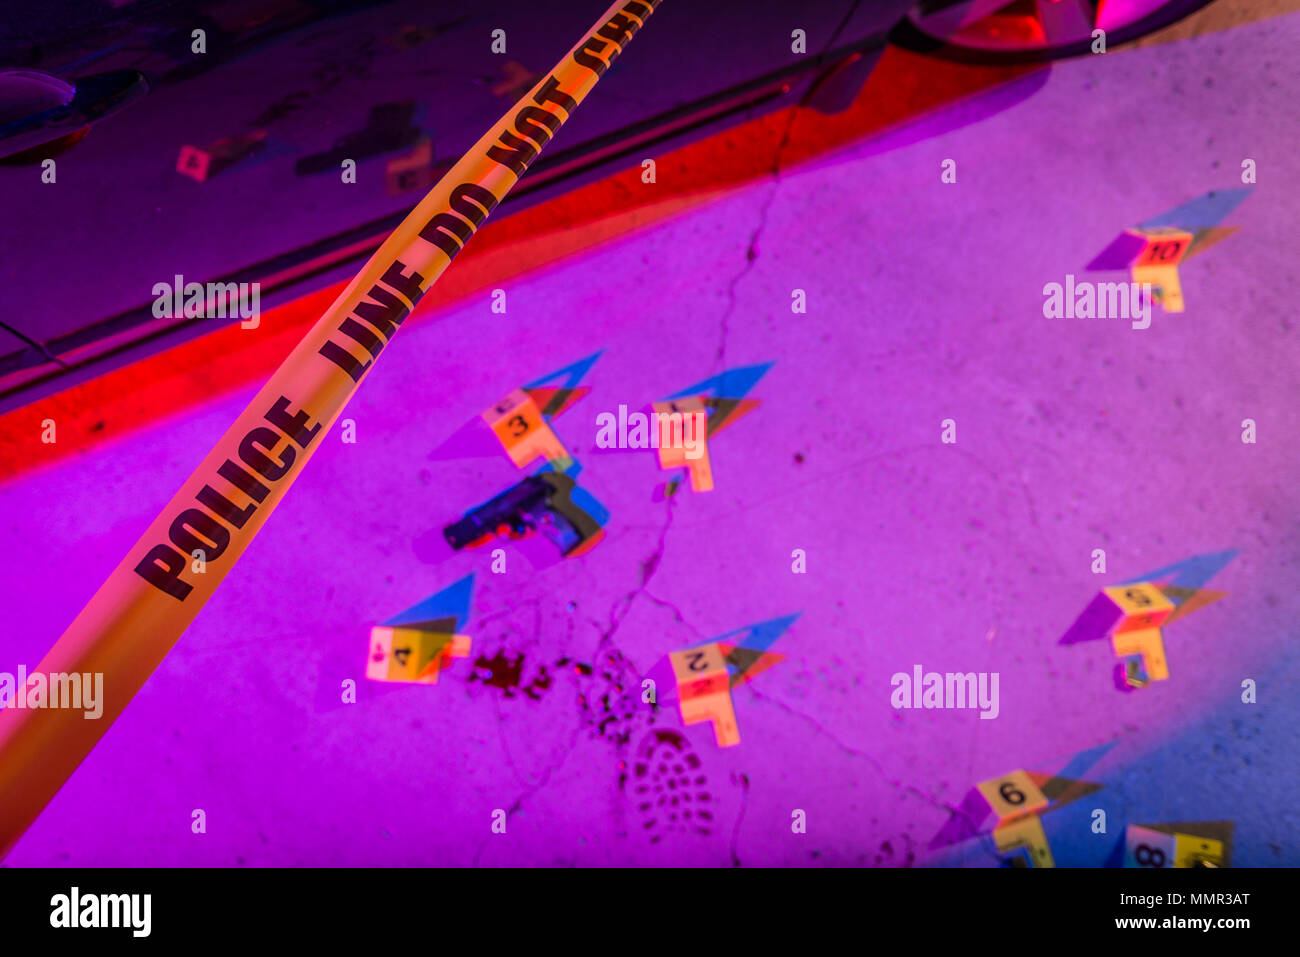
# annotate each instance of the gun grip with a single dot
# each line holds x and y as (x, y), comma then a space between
(561, 503)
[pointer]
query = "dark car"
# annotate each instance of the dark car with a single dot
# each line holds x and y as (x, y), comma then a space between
(226, 170)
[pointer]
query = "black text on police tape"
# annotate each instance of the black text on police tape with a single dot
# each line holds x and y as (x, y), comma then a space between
(204, 529)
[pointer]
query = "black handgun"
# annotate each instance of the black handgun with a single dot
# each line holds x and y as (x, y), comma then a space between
(539, 502)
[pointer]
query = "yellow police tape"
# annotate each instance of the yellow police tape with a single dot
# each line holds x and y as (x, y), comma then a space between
(152, 596)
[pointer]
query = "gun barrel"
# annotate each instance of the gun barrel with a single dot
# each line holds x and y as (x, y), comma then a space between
(460, 534)
(512, 507)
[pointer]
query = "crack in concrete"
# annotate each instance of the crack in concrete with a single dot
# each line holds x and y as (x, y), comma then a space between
(479, 621)
(901, 786)
(649, 566)
(1019, 478)
(740, 816)
(751, 250)
(751, 254)
(532, 789)
(677, 613)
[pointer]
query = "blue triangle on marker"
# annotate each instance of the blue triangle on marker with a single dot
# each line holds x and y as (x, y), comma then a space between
(1081, 762)
(1194, 572)
(452, 601)
(732, 384)
(1202, 212)
(758, 637)
(574, 372)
